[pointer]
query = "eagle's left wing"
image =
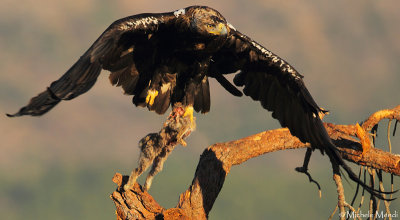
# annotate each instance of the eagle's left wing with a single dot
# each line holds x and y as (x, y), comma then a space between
(111, 51)
(279, 88)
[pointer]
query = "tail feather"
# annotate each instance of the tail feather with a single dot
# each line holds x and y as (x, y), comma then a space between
(320, 139)
(202, 96)
(333, 154)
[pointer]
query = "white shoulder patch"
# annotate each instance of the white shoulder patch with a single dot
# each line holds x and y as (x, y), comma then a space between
(143, 22)
(179, 12)
(231, 26)
(275, 59)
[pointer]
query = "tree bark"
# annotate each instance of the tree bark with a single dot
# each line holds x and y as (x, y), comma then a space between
(216, 161)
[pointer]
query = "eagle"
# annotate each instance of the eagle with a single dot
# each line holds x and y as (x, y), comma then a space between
(165, 58)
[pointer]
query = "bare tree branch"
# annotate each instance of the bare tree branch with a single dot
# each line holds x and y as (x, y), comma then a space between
(216, 161)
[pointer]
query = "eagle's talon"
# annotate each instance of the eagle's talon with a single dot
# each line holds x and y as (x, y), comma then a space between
(151, 96)
(189, 113)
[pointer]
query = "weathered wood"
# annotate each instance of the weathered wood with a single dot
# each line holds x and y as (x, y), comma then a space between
(216, 161)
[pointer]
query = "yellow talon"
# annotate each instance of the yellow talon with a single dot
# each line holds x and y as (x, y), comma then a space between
(151, 95)
(189, 112)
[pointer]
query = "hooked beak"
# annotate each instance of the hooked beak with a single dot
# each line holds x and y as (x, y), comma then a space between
(220, 29)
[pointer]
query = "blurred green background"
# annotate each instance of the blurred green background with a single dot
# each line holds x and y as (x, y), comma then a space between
(60, 166)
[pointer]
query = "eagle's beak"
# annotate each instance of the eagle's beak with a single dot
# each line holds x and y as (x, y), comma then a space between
(220, 29)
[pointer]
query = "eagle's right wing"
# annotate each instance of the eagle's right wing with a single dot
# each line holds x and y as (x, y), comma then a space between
(111, 51)
(279, 88)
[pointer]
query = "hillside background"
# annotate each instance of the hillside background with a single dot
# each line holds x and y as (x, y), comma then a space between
(60, 166)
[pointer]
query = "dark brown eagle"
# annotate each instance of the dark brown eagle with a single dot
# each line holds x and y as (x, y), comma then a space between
(166, 58)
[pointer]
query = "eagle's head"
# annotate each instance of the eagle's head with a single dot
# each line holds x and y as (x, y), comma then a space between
(207, 22)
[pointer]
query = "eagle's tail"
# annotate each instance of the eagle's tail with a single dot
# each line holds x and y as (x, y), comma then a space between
(333, 154)
(77, 80)
(322, 141)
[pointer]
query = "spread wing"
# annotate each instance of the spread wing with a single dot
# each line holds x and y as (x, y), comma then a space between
(279, 88)
(272, 81)
(111, 51)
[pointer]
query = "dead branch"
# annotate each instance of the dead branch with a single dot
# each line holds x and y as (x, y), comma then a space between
(217, 160)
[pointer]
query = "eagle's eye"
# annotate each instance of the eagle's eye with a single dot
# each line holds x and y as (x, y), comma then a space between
(216, 29)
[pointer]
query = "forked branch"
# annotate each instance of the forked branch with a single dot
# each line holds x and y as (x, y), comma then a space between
(216, 161)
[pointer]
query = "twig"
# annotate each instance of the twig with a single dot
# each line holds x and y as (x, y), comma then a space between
(333, 213)
(352, 209)
(341, 198)
(372, 200)
(304, 169)
(358, 187)
(363, 191)
(387, 203)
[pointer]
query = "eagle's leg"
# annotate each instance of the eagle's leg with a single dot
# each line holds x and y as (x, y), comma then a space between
(304, 169)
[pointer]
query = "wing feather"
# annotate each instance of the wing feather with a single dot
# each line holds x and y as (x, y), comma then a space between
(127, 78)
(111, 51)
(270, 80)
(279, 88)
